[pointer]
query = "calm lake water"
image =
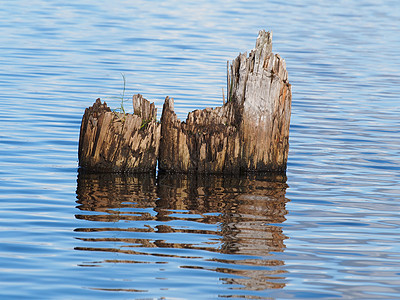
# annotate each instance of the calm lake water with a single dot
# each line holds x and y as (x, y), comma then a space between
(329, 229)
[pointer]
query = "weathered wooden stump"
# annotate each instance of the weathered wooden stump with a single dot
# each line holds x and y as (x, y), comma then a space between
(250, 132)
(116, 142)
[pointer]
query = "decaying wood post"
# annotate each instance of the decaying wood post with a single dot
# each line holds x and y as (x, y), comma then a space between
(117, 142)
(250, 132)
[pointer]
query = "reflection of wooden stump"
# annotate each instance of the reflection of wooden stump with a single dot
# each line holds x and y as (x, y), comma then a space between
(223, 215)
(248, 133)
(116, 142)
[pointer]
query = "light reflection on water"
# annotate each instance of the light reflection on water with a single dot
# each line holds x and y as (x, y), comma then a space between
(186, 226)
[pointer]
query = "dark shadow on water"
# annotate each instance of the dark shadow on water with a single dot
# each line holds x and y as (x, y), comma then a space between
(235, 219)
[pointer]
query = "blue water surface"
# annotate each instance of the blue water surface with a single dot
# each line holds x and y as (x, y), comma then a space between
(327, 230)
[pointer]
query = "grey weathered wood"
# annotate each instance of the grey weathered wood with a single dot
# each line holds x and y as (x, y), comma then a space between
(116, 142)
(248, 133)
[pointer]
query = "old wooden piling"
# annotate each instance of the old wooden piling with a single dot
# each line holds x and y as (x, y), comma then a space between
(119, 142)
(250, 132)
